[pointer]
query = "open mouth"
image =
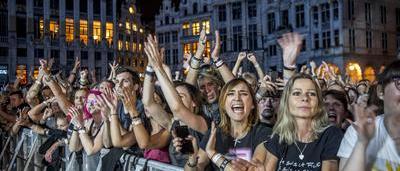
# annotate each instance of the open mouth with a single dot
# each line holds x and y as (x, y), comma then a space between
(237, 108)
(332, 117)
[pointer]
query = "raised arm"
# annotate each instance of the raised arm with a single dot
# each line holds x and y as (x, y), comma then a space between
(90, 146)
(219, 63)
(36, 112)
(195, 61)
(113, 68)
(35, 88)
(291, 44)
(365, 127)
(72, 75)
(61, 98)
(155, 109)
(252, 58)
(240, 58)
(143, 137)
(174, 101)
(119, 137)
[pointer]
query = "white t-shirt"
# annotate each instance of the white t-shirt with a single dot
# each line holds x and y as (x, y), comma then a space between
(382, 144)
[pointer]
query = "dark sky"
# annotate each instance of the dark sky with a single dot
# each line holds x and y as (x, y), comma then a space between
(149, 8)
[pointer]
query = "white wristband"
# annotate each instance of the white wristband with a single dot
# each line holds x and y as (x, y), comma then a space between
(216, 157)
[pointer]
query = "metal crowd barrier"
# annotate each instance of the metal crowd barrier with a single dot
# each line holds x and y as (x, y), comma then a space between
(25, 150)
(134, 163)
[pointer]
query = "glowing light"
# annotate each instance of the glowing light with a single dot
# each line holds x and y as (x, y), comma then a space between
(131, 10)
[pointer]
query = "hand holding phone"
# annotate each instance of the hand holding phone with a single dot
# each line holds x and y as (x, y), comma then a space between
(183, 132)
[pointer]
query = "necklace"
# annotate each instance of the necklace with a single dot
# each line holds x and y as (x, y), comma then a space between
(301, 156)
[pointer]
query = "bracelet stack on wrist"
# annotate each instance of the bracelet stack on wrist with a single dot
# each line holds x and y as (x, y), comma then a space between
(194, 63)
(149, 71)
(38, 82)
(136, 121)
(81, 130)
(216, 157)
(225, 162)
(219, 63)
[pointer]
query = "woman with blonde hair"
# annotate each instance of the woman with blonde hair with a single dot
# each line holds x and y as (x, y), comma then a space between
(302, 138)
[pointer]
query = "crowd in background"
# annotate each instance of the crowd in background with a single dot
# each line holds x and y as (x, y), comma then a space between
(212, 117)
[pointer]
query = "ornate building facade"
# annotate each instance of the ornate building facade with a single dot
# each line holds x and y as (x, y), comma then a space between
(96, 31)
(357, 36)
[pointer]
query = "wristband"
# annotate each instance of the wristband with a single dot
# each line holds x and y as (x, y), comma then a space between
(224, 164)
(216, 157)
(219, 63)
(38, 82)
(289, 68)
(149, 69)
(136, 121)
(194, 63)
(82, 131)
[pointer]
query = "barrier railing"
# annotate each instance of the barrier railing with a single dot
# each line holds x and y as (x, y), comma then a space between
(132, 162)
(19, 150)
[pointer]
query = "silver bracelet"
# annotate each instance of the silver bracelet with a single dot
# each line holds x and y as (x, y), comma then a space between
(136, 122)
(219, 63)
(216, 157)
(149, 69)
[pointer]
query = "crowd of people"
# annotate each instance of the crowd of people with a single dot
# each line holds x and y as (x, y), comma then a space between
(212, 117)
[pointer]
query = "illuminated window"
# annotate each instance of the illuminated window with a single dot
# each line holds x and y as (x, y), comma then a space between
(69, 30)
(36, 72)
(140, 47)
(109, 33)
(96, 31)
(21, 73)
(196, 28)
(134, 26)
(126, 45)
(83, 31)
(141, 30)
(134, 47)
(186, 29)
(120, 44)
(131, 10)
(206, 26)
(128, 27)
(41, 28)
(53, 29)
(207, 51)
(186, 49)
(194, 47)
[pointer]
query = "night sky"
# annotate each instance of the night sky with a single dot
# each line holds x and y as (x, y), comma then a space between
(149, 8)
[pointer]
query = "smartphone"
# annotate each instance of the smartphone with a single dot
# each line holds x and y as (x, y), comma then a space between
(183, 132)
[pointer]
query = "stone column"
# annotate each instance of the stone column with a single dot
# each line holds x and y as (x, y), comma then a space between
(30, 50)
(104, 46)
(46, 30)
(77, 41)
(91, 48)
(61, 33)
(115, 29)
(12, 40)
